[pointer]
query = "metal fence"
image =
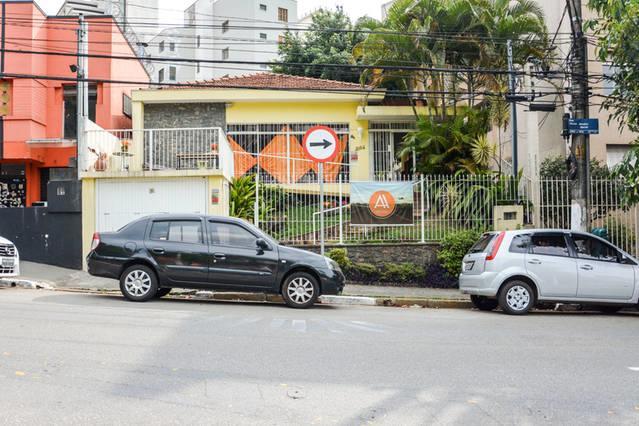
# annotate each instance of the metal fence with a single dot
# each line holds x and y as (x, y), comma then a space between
(607, 210)
(441, 205)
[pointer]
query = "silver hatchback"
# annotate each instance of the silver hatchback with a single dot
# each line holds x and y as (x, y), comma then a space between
(515, 270)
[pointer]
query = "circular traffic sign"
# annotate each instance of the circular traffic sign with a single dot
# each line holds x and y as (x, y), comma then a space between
(320, 144)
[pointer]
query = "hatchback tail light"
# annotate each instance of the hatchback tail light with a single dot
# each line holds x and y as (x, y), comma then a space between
(496, 245)
(96, 241)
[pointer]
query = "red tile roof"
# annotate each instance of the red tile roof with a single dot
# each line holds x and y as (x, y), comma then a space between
(267, 80)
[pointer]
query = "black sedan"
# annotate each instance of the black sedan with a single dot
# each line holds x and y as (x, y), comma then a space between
(157, 253)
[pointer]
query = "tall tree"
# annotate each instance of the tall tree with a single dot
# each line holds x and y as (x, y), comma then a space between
(330, 39)
(617, 30)
(437, 35)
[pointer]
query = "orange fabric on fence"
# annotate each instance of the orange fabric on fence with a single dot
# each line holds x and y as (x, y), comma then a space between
(274, 159)
(242, 159)
(332, 169)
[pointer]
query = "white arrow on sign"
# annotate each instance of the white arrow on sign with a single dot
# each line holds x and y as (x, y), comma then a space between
(321, 144)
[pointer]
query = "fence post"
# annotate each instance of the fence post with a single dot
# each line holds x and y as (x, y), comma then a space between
(288, 155)
(256, 209)
(341, 215)
(150, 151)
(422, 196)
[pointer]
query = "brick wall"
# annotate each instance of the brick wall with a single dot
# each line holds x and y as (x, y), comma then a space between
(185, 115)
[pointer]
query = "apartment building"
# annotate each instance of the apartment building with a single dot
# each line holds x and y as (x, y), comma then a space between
(539, 133)
(223, 30)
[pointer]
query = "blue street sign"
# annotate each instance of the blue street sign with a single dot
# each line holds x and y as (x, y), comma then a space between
(583, 126)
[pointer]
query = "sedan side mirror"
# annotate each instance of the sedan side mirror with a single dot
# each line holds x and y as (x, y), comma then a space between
(261, 243)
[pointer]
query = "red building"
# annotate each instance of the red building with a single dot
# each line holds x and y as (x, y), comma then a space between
(38, 117)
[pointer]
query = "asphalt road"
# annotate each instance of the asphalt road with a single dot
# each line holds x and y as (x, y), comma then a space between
(87, 359)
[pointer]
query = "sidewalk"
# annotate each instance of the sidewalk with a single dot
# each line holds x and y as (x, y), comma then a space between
(69, 279)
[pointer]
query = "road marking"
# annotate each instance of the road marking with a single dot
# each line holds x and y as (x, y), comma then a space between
(277, 323)
(633, 368)
(299, 325)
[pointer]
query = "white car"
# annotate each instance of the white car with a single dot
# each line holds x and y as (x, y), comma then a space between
(9, 259)
(515, 270)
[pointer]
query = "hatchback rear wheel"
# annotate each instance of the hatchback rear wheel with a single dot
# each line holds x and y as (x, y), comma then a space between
(483, 303)
(300, 290)
(138, 283)
(516, 298)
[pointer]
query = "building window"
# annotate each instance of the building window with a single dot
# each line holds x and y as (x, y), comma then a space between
(615, 154)
(263, 66)
(263, 36)
(172, 46)
(199, 41)
(71, 109)
(263, 7)
(225, 26)
(162, 46)
(161, 75)
(608, 72)
(172, 73)
(282, 14)
(225, 54)
(190, 15)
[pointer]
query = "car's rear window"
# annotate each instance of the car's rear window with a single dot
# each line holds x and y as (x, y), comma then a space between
(481, 246)
(134, 229)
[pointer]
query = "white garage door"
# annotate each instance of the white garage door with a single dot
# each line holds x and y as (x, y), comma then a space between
(119, 202)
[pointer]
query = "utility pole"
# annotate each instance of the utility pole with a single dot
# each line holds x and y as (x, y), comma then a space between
(580, 146)
(513, 108)
(82, 102)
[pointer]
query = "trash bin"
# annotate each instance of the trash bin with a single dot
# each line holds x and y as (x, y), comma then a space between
(601, 233)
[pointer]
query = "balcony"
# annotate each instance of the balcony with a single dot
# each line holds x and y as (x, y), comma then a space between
(156, 152)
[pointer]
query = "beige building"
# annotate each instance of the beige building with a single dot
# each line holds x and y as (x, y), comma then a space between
(539, 133)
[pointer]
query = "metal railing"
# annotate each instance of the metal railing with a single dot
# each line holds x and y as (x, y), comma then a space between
(158, 150)
(441, 204)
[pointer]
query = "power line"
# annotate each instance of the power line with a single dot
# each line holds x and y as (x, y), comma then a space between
(290, 64)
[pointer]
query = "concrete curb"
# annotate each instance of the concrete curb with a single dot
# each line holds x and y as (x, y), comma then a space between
(424, 303)
(26, 283)
(437, 303)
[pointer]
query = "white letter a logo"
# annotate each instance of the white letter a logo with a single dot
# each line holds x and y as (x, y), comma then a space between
(382, 202)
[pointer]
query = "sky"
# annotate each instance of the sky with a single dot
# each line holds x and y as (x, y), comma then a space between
(355, 8)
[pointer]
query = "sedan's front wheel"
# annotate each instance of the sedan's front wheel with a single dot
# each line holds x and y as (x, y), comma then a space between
(516, 298)
(300, 290)
(138, 283)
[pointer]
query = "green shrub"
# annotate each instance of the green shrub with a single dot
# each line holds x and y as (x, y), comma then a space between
(340, 256)
(363, 272)
(453, 249)
(402, 272)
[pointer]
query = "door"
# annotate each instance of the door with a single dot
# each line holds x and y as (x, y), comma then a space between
(236, 259)
(120, 201)
(601, 273)
(548, 261)
(179, 248)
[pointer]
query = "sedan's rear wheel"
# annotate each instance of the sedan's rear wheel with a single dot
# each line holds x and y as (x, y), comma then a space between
(138, 283)
(483, 303)
(516, 298)
(300, 290)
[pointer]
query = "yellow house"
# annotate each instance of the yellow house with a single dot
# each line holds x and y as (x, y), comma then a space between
(188, 143)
